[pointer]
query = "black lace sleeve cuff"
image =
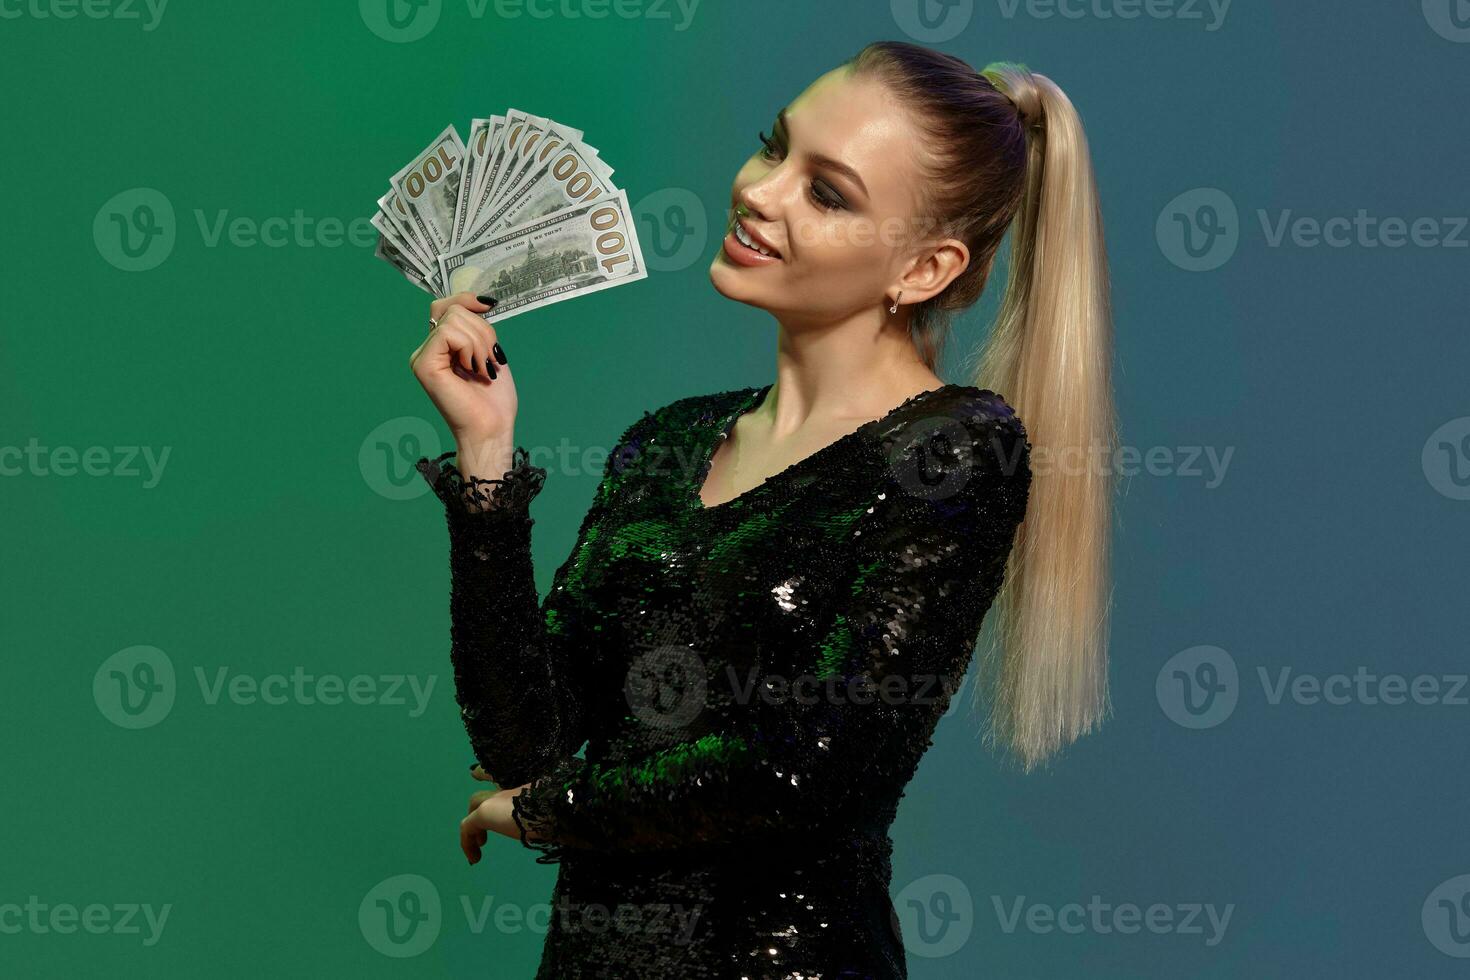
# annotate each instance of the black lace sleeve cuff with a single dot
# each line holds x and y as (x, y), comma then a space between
(463, 497)
(535, 809)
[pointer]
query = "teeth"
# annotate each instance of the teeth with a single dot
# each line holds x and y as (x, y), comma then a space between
(746, 240)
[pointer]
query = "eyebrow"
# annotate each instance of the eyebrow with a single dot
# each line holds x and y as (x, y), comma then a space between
(822, 160)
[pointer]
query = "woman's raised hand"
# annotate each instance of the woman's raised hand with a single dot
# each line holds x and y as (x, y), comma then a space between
(461, 366)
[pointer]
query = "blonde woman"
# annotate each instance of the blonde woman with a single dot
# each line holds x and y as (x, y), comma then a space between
(778, 588)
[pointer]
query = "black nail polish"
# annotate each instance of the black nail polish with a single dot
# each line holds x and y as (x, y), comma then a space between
(489, 301)
(499, 354)
(490, 366)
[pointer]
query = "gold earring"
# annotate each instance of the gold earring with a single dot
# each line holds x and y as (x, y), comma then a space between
(894, 307)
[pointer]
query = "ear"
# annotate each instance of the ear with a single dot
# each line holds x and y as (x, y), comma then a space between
(932, 270)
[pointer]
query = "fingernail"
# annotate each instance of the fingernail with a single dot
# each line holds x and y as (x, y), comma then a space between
(491, 368)
(499, 354)
(488, 300)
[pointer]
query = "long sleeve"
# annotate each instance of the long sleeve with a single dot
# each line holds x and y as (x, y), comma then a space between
(930, 556)
(520, 665)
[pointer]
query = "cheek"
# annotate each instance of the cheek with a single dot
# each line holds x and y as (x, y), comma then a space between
(843, 244)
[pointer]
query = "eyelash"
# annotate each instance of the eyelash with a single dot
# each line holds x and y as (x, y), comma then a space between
(826, 204)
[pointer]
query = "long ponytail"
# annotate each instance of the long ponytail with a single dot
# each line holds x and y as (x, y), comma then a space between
(1045, 664)
(1008, 154)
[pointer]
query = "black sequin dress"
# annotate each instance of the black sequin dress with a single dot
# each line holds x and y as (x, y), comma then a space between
(755, 682)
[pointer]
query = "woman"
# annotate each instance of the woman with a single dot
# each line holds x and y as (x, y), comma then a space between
(778, 588)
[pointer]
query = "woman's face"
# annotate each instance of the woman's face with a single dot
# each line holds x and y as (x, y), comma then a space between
(832, 195)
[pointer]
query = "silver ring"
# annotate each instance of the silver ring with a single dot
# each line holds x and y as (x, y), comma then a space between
(433, 323)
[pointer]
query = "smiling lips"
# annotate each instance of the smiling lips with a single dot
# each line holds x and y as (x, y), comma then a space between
(746, 247)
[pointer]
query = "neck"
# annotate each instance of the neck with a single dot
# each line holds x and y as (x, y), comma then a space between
(854, 369)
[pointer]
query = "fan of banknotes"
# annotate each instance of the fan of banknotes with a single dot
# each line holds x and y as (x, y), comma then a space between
(525, 212)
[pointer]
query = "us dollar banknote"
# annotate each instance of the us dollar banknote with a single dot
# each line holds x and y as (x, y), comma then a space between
(525, 210)
(568, 253)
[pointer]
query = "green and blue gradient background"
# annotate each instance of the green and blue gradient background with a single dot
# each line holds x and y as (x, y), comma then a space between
(269, 546)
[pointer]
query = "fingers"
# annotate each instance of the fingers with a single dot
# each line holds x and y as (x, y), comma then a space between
(479, 335)
(469, 841)
(479, 773)
(468, 301)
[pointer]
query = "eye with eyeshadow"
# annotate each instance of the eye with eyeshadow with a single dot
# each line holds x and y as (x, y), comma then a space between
(821, 193)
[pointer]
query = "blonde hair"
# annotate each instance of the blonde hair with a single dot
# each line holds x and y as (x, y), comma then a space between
(1009, 154)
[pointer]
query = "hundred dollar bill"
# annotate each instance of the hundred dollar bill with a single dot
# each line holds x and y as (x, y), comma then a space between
(516, 161)
(530, 136)
(428, 186)
(579, 250)
(394, 213)
(482, 132)
(558, 175)
(539, 148)
(501, 148)
(394, 257)
(389, 234)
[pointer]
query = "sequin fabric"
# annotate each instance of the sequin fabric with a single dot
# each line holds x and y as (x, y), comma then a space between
(754, 682)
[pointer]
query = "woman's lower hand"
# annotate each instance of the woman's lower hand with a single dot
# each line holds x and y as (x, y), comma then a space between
(490, 812)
